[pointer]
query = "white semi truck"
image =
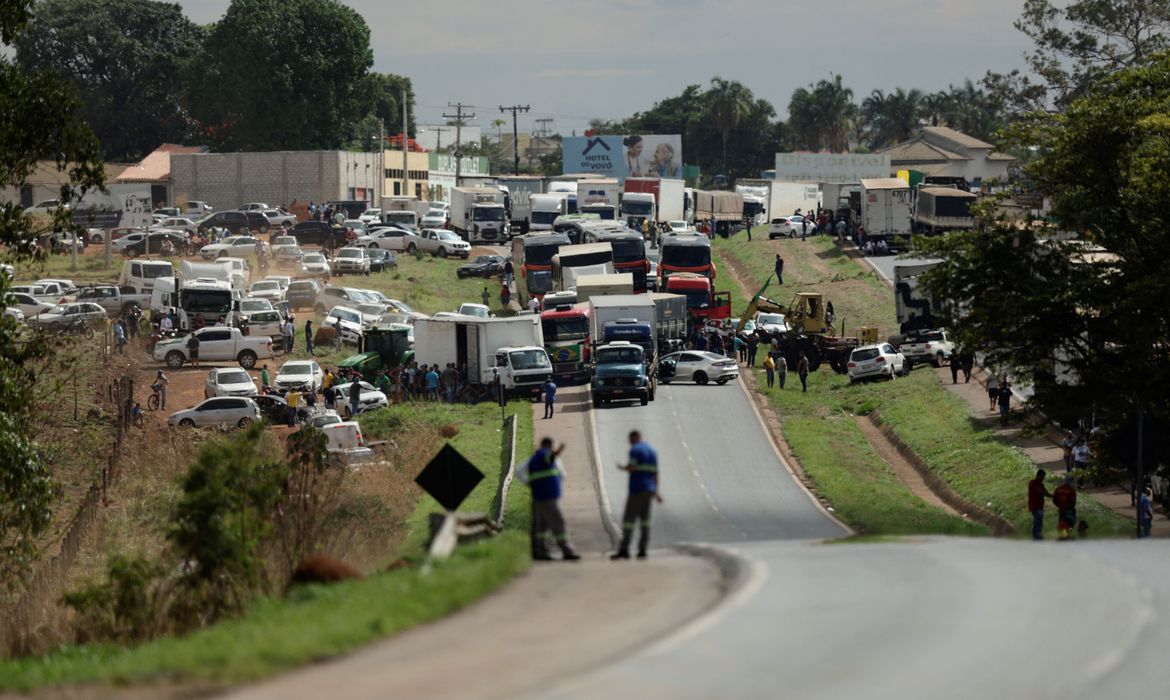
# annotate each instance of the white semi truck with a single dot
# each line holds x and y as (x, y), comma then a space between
(477, 214)
(510, 348)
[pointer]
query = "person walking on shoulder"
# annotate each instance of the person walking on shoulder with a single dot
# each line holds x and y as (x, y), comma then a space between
(1005, 401)
(770, 370)
(543, 475)
(1037, 495)
(802, 370)
(643, 470)
(1146, 512)
(309, 336)
(1064, 497)
(779, 269)
(486, 297)
(992, 391)
(549, 389)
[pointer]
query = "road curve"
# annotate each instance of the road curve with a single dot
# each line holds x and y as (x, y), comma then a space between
(720, 476)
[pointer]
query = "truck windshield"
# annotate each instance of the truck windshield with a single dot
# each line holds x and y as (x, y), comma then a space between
(685, 256)
(398, 217)
(544, 217)
(540, 254)
(629, 250)
(569, 328)
(636, 208)
(153, 272)
(528, 359)
(539, 281)
(625, 356)
(752, 209)
(206, 301)
(487, 214)
(695, 300)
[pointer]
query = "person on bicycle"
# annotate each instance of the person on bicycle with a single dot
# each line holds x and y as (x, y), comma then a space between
(160, 387)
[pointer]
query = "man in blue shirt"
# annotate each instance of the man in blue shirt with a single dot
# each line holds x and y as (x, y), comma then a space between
(543, 475)
(643, 469)
(549, 389)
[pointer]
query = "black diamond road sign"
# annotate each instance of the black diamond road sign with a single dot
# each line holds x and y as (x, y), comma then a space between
(449, 477)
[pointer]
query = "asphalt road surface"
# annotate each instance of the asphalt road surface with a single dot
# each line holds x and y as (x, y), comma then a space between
(720, 477)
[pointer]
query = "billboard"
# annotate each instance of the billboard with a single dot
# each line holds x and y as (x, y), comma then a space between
(833, 168)
(632, 155)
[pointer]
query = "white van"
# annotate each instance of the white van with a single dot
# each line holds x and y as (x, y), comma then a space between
(141, 273)
(344, 440)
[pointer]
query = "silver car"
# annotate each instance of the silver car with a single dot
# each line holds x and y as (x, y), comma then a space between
(239, 411)
(698, 366)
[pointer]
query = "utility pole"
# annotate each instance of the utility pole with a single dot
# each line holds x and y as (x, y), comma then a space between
(459, 116)
(515, 135)
(439, 136)
(405, 144)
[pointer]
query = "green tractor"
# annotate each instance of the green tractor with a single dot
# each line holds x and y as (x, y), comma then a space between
(386, 347)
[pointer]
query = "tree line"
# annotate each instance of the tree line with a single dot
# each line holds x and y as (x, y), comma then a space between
(269, 75)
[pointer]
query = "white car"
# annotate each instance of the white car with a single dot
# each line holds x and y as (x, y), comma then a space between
(120, 244)
(679, 227)
(14, 313)
(352, 323)
(239, 411)
(254, 206)
(371, 216)
(434, 219)
(27, 304)
(283, 280)
(772, 323)
(299, 374)
(178, 223)
(358, 225)
(266, 289)
(474, 310)
(404, 308)
(314, 265)
(228, 381)
(232, 246)
(353, 261)
(371, 312)
(388, 239)
(65, 315)
(369, 399)
(441, 242)
(880, 360)
(276, 217)
(66, 286)
(697, 366)
(250, 306)
(790, 226)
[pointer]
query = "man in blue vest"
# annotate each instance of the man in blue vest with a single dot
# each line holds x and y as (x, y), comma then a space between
(543, 475)
(643, 469)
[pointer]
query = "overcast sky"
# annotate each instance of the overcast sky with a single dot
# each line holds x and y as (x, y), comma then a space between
(573, 61)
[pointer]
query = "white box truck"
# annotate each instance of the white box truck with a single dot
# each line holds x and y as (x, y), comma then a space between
(593, 286)
(546, 209)
(885, 209)
(600, 196)
(521, 188)
(512, 347)
(477, 214)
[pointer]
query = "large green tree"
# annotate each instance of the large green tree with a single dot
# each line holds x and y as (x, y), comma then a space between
(729, 102)
(822, 116)
(125, 58)
(892, 118)
(1036, 304)
(40, 117)
(283, 74)
(1077, 43)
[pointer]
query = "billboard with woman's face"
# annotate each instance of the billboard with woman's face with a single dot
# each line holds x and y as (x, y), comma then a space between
(633, 155)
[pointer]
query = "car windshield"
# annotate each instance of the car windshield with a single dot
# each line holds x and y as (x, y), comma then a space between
(864, 354)
(486, 259)
(303, 287)
(474, 310)
(296, 369)
(539, 281)
(448, 236)
(528, 359)
(152, 272)
(544, 217)
(630, 355)
(255, 305)
(636, 208)
(347, 315)
(266, 287)
(685, 255)
(349, 253)
(371, 309)
(234, 377)
(285, 240)
(487, 214)
(401, 306)
(771, 319)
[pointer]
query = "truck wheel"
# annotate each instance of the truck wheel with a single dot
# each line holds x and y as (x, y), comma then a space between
(700, 378)
(411, 248)
(174, 359)
(645, 399)
(247, 359)
(96, 239)
(442, 252)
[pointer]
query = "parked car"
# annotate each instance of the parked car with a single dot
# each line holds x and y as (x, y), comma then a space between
(434, 219)
(254, 206)
(157, 243)
(370, 216)
(279, 217)
(266, 289)
(232, 246)
(880, 360)
(318, 233)
(250, 305)
(283, 280)
(235, 222)
(772, 323)
(441, 242)
(227, 410)
(14, 313)
(167, 212)
(300, 374)
(481, 266)
(697, 366)
(27, 304)
(356, 225)
(352, 261)
(302, 293)
(382, 260)
(392, 238)
(352, 323)
(331, 296)
(265, 323)
(228, 381)
(371, 312)
(197, 209)
(474, 310)
(178, 223)
(368, 400)
(59, 317)
(789, 226)
(216, 344)
(131, 237)
(272, 407)
(98, 236)
(935, 347)
(114, 299)
(315, 265)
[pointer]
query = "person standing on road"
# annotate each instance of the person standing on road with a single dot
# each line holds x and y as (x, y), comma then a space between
(781, 367)
(549, 389)
(779, 269)
(1005, 401)
(543, 475)
(355, 396)
(486, 297)
(992, 391)
(289, 331)
(770, 370)
(1064, 497)
(292, 400)
(1146, 512)
(119, 335)
(193, 349)
(509, 271)
(1037, 495)
(337, 334)
(264, 376)
(309, 336)
(802, 370)
(643, 470)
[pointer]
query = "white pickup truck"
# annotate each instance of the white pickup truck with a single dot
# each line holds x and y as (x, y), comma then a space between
(443, 243)
(927, 346)
(114, 299)
(216, 344)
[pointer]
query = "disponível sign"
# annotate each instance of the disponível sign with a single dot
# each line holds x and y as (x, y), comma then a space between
(831, 168)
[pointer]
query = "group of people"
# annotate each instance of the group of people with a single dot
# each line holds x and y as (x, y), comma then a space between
(126, 328)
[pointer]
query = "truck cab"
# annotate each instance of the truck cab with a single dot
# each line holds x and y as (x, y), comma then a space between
(703, 303)
(620, 373)
(522, 369)
(566, 339)
(638, 207)
(386, 347)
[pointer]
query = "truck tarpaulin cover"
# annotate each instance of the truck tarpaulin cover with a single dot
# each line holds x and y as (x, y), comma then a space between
(632, 155)
(718, 206)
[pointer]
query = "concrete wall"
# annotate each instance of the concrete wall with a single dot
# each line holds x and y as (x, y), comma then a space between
(227, 180)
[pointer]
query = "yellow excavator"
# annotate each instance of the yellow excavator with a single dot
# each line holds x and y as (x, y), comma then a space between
(809, 331)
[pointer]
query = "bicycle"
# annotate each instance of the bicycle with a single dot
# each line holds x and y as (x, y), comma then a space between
(155, 399)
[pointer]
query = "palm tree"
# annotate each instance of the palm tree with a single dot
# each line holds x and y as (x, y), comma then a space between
(822, 115)
(728, 103)
(892, 118)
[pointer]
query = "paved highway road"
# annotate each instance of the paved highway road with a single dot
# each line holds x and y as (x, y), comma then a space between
(720, 477)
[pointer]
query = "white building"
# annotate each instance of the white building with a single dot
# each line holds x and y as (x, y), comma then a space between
(943, 152)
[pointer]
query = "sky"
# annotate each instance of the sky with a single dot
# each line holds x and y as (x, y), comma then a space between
(575, 61)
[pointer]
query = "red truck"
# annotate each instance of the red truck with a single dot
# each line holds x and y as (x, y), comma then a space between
(656, 199)
(703, 302)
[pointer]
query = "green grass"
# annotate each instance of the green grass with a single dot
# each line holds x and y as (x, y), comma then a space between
(936, 425)
(317, 622)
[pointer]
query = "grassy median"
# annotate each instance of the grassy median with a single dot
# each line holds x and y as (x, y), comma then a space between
(315, 622)
(823, 434)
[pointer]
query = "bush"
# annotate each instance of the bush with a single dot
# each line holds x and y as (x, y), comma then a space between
(126, 607)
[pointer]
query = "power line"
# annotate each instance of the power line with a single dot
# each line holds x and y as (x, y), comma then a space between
(515, 134)
(459, 116)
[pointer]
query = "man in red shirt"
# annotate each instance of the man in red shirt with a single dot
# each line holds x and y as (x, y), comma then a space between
(1037, 495)
(1065, 500)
